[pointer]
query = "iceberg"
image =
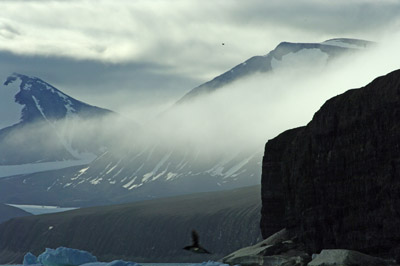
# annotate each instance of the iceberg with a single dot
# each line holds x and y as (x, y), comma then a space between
(113, 263)
(65, 257)
(30, 259)
(211, 263)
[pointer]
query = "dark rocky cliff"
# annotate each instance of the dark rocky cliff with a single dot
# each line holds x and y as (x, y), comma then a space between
(336, 182)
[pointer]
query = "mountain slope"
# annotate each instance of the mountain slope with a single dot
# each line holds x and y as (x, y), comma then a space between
(205, 145)
(8, 212)
(39, 123)
(283, 54)
(155, 230)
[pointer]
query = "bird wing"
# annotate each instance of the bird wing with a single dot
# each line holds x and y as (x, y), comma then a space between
(195, 238)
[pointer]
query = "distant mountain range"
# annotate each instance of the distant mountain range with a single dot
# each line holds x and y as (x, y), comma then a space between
(98, 173)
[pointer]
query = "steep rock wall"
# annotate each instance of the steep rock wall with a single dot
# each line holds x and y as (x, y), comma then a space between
(339, 177)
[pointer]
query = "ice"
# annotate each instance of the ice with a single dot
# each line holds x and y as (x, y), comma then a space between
(30, 259)
(211, 263)
(113, 263)
(65, 256)
(342, 43)
(41, 209)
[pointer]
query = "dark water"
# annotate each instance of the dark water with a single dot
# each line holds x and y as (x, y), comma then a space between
(144, 264)
(209, 263)
(167, 264)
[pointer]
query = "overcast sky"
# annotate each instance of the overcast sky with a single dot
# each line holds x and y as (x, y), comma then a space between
(137, 57)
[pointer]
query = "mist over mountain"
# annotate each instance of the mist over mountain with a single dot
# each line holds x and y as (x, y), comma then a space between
(211, 142)
(283, 54)
(36, 119)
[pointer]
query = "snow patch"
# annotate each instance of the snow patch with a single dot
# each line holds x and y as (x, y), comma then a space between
(313, 56)
(341, 43)
(171, 176)
(80, 172)
(147, 176)
(130, 183)
(96, 181)
(237, 167)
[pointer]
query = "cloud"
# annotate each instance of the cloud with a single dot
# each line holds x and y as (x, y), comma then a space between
(138, 57)
(245, 114)
(242, 116)
(184, 35)
(140, 90)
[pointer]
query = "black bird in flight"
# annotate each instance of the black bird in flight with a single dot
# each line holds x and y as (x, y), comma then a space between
(195, 247)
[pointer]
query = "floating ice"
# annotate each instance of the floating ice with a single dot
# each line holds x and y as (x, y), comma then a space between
(211, 263)
(30, 259)
(65, 256)
(113, 263)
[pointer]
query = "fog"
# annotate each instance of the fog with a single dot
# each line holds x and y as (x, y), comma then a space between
(153, 51)
(247, 113)
(240, 117)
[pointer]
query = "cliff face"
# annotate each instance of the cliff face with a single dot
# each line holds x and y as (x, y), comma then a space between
(336, 182)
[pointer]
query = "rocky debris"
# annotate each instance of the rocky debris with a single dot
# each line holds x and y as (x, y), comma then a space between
(342, 257)
(336, 182)
(276, 250)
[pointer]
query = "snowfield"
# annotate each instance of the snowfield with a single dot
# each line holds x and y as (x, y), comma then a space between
(38, 209)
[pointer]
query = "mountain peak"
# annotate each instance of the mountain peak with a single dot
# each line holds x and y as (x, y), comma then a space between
(281, 56)
(33, 114)
(40, 100)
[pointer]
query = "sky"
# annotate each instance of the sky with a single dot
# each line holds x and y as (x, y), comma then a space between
(139, 57)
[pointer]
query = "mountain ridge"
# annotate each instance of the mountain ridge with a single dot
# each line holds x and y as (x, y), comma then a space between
(332, 47)
(43, 132)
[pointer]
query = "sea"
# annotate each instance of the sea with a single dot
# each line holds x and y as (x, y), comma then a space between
(143, 264)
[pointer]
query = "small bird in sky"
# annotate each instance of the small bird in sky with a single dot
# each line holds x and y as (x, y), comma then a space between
(195, 247)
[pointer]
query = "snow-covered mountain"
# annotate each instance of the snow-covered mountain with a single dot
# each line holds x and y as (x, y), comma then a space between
(42, 128)
(161, 165)
(285, 54)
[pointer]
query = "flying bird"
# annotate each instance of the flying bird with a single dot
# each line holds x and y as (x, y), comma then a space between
(195, 247)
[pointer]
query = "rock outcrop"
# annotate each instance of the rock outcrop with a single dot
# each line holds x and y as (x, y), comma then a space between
(276, 250)
(334, 257)
(335, 183)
